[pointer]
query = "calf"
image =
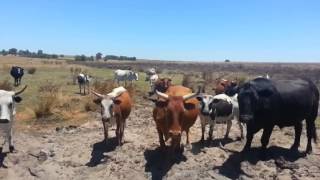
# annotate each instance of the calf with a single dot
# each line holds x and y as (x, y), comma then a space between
(8, 100)
(17, 73)
(265, 103)
(84, 82)
(115, 105)
(174, 113)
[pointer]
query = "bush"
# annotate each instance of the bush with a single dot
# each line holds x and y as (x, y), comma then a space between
(103, 87)
(48, 97)
(6, 85)
(31, 70)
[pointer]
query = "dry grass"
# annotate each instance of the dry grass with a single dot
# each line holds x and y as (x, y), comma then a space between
(6, 85)
(31, 70)
(103, 87)
(48, 98)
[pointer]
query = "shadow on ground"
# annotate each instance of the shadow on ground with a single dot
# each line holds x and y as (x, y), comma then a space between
(160, 161)
(98, 150)
(231, 168)
(197, 146)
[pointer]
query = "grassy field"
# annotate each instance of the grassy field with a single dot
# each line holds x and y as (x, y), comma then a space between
(71, 107)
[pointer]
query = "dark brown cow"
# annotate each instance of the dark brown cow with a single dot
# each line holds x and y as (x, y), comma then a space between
(174, 113)
(161, 85)
(116, 104)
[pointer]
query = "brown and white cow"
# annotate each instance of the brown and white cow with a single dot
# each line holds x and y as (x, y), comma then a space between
(115, 105)
(176, 111)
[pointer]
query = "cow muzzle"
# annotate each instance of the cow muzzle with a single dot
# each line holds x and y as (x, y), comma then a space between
(174, 133)
(245, 118)
(4, 121)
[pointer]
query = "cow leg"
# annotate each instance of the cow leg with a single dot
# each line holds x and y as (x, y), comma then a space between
(210, 131)
(265, 137)
(105, 128)
(298, 130)
(187, 140)
(229, 124)
(203, 128)
(118, 131)
(311, 133)
(161, 140)
(122, 132)
(10, 140)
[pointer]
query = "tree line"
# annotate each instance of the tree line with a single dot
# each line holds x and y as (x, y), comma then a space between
(27, 53)
(41, 54)
(105, 58)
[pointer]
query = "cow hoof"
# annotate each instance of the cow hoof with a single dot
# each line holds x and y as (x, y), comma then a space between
(188, 147)
(12, 149)
(309, 151)
(294, 148)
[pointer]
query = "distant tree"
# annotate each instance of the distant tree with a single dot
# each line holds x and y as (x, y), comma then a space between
(91, 58)
(40, 53)
(227, 60)
(4, 52)
(61, 55)
(98, 56)
(13, 51)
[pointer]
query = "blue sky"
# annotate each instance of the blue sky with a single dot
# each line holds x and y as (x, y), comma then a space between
(206, 30)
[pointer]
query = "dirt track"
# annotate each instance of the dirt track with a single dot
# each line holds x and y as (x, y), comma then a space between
(80, 153)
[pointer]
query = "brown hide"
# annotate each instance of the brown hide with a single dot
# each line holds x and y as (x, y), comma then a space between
(122, 109)
(174, 116)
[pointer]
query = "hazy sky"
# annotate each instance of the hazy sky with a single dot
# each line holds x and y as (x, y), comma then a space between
(239, 30)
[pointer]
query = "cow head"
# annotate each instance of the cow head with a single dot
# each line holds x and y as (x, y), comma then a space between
(163, 84)
(220, 86)
(109, 105)
(7, 104)
(205, 103)
(252, 98)
(175, 109)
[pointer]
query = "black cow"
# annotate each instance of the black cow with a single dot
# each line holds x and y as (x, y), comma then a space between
(264, 103)
(17, 73)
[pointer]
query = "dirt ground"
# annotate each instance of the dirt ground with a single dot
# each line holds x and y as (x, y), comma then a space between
(78, 152)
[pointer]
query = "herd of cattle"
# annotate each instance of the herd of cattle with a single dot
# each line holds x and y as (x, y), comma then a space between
(261, 103)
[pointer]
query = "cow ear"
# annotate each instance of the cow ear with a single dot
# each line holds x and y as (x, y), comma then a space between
(116, 101)
(189, 106)
(17, 99)
(265, 92)
(97, 101)
(161, 104)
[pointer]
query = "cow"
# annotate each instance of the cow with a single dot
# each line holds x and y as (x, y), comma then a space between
(84, 82)
(125, 75)
(218, 109)
(17, 73)
(221, 85)
(265, 103)
(8, 100)
(161, 85)
(176, 111)
(149, 73)
(152, 81)
(115, 106)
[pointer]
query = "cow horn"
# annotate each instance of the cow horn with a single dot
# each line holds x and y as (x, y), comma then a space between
(21, 91)
(163, 95)
(97, 94)
(189, 96)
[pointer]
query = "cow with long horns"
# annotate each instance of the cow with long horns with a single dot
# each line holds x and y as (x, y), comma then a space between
(8, 100)
(115, 105)
(176, 111)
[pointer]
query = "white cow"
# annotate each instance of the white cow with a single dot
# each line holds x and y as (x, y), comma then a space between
(125, 75)
(84, 82)
(8, 100)
(219, 109)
